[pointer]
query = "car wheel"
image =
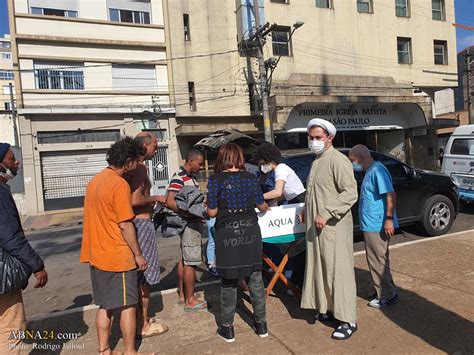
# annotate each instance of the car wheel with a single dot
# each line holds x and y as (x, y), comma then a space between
(437, 215)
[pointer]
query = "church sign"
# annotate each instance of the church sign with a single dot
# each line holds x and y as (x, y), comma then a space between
(349, 117)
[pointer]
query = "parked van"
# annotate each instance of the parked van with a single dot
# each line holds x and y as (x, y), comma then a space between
(458, 161)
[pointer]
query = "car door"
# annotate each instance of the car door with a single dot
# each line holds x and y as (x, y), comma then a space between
(407, 186)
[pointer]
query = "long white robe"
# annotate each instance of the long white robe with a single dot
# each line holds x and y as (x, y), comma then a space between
(329, 283)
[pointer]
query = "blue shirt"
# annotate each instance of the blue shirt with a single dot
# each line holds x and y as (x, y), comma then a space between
(373, 198)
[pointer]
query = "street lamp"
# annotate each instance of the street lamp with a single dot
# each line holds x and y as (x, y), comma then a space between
(271, 63)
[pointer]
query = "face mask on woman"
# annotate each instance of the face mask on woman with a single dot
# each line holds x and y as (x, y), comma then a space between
(317, 147)
(266, 168)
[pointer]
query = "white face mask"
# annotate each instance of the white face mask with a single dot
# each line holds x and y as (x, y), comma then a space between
(266, 168)
(317, 147)
(7, 175)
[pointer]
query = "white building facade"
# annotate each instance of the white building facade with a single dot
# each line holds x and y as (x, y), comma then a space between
(89, 72)
(7, 133)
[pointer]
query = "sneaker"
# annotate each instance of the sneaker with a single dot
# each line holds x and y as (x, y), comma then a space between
(376, 303)
(261, 329)
(213, 271)
(226, 333)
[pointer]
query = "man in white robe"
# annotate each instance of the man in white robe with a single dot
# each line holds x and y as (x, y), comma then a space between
(329, 285)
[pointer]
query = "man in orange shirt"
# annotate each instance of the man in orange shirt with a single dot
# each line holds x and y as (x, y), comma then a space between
(110, 246)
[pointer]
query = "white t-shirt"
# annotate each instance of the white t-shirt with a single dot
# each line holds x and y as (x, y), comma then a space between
(293, 185)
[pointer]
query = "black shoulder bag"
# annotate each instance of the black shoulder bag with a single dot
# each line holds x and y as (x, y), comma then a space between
(14, 274)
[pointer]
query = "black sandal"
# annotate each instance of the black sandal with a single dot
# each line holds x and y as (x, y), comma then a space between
(344, 331)
(103, 351)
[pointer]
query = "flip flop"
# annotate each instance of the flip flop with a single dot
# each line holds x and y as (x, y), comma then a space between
(199, 307)
(153, 330)
(154, 319)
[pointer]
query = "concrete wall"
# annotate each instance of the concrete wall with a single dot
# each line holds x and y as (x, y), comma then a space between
(337, 41)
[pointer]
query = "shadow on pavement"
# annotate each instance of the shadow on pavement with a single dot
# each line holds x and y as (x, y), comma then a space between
(70, 327)
(437, 326)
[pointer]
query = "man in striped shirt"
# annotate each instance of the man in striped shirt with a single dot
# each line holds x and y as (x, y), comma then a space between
(191, 237)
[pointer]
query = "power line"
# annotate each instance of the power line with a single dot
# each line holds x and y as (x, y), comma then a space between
(157, 61)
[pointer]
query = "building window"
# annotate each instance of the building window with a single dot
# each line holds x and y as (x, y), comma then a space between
(129, 16)
(53, 12)
(134, 77)
(438, 9)
(8, 106)
(4, 44)
(325, 4)
(401, 8)
(6, 56)
(404, 50)
(441, 52)
(281, 41)
(365, 6)
(6, 90)
(6, 75)
(59, 76)
(187, 29)
(78, 136)
(192, 96)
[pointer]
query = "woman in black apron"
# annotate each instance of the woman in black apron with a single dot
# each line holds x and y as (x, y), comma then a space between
(233, 194)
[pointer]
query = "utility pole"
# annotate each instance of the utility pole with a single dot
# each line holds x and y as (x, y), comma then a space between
(468, 84)
(267, 125)
(14, 115)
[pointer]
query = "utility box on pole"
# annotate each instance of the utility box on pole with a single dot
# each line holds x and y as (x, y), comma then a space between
(247, 25)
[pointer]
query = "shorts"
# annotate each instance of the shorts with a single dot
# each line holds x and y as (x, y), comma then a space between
(114, 289)
(147, 240)
(191, 244)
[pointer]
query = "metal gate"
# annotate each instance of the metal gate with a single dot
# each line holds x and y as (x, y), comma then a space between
(159, 171)
(65, 176)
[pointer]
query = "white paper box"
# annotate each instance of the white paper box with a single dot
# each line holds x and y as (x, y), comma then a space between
(281, 221)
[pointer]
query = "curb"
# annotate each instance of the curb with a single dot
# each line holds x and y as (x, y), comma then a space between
(44, 316)
(59, 225)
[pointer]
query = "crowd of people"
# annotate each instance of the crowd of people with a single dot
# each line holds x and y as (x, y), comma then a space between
(119, 240)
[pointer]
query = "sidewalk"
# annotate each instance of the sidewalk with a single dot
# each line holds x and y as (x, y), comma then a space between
(44, 221)
(435, 314)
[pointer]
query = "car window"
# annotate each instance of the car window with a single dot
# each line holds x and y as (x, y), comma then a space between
(462, 146)
(396, 168)
(301, 165)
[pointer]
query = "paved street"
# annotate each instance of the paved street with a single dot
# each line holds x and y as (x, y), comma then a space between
(435, 278)
(69, 282)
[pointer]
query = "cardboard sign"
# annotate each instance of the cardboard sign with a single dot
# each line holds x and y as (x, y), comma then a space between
(282, 221)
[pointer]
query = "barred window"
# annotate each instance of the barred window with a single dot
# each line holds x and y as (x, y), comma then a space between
(6, 75)
(59, 76)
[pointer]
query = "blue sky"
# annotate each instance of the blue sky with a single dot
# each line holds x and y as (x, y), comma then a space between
(464, 15)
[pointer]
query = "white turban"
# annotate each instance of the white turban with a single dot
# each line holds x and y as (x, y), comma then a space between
(326, 125)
